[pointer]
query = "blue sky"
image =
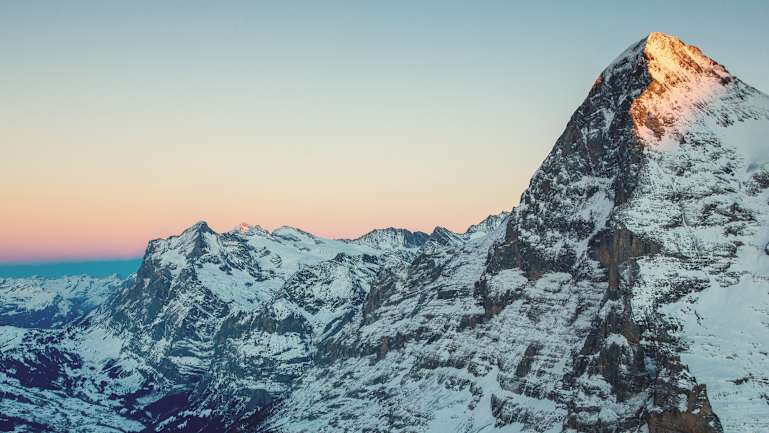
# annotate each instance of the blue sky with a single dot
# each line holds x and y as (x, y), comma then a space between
(126, 121)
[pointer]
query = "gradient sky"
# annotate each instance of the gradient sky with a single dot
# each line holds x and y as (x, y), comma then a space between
(127, 121)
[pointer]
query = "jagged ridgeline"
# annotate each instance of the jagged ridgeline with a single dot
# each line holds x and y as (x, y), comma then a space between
(628, 292)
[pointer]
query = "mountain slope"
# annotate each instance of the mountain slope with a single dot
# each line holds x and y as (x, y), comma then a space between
(52, 302)
(213, 327)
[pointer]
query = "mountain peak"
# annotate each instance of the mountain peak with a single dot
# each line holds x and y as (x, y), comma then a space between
(682, 80)
(247, 229)
(665, 59)
(488, 224)
(668, 83)
(200, 226)
(669, 58)
(656, 38)
(392, 238)
(444, 236)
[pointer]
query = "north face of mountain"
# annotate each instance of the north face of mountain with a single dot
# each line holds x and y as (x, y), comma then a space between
(597, 309)
(657, 188)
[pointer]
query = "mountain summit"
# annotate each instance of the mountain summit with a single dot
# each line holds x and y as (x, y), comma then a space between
(653, 201)
(680, 81)
(627, 292)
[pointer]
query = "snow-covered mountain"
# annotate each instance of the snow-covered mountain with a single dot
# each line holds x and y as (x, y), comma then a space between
(392, 238)
(628, 292)
(51, 302)
(213, 327)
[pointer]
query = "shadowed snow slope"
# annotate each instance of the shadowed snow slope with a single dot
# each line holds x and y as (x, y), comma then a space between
(51, 302)
(628, 292)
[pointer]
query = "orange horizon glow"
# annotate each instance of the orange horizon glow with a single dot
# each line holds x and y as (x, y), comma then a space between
(105, 242)
(111, 231)
(97, 209)
(124, 122)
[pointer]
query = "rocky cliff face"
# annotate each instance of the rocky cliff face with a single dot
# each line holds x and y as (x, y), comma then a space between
(628, 292)
(212, 328)
(589, 313)
(668, 148)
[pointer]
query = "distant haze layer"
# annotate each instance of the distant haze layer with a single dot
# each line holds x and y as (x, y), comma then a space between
(101, 268)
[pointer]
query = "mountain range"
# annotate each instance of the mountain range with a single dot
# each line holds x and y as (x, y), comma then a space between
(628, 291)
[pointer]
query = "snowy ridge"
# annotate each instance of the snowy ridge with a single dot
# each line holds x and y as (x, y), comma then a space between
(488, 225)
(391, 238)
(214, 327)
